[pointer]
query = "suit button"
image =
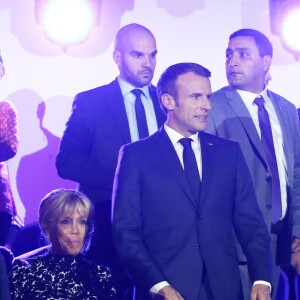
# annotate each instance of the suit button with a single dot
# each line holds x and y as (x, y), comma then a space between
(269, 206)
(199, 217)
(269, 178)
(198, 246)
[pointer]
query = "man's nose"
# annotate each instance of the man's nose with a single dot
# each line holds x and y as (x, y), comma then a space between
(232, 60)
(148, 61)
(206, 104)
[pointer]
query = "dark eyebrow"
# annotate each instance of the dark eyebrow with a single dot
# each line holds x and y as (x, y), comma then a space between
(237, 49)
(196, 94)
(154, 53)
(136, 53)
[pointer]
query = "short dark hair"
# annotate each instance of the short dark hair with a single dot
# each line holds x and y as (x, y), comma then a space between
(262, 42)
(167, 81)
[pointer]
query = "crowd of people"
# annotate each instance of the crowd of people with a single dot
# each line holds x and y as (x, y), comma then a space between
(184, 193)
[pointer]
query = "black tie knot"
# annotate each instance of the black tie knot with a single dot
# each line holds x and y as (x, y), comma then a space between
(185, 142)
(137, 93)
(259, 101)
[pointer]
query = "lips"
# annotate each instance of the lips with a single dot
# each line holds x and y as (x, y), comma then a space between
(146, 73)
(75, 243)
(201, 117)
(234, 73)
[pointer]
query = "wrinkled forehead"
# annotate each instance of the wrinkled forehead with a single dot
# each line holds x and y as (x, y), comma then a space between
(242, 42)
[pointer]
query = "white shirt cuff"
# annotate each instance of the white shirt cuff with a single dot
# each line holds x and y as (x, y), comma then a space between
(263, 282)
(158, 286)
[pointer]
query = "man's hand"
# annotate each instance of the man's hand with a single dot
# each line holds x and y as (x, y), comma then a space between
(260, 292)
(167, 293)
(295, 259)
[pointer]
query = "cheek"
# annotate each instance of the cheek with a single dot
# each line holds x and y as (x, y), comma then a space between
(153, 62)
(62, 234)
(83, 231)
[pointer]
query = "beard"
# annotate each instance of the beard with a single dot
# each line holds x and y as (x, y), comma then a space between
(140, 78)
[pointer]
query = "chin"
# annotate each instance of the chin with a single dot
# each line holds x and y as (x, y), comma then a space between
(73, 251)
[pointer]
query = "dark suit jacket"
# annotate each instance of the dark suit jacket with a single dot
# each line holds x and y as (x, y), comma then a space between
(229, 118)
(162, 233)
(94, 134)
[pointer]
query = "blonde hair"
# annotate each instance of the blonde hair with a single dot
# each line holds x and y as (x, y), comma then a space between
(64, 202)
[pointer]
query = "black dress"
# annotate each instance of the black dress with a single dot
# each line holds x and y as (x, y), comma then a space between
(53, 276)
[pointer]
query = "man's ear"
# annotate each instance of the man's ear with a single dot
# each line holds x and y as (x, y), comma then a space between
(267, 62)
(117, 57)
(168, 101)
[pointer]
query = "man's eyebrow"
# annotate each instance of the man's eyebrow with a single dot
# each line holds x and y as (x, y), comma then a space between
(136, 52)
(237, 49)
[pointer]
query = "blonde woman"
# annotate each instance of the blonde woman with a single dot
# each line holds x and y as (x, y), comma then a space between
(63, 272)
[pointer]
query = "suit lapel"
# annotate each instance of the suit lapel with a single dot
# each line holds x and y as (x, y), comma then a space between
(208, 164)
(116, 103)
(117, 107)
(283, 116)
(242, 113)
(160, 116)
(166, 150)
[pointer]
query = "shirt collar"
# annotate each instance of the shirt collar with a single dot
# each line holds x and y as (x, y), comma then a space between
(126, 88)
(248, 97)
(176, 136)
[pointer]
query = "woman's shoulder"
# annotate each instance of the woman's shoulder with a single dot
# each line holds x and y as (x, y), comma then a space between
(29, 262)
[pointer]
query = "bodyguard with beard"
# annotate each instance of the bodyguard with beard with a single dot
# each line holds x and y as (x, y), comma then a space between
(102, 120)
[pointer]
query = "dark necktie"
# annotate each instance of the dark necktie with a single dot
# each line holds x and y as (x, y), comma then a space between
(140, 114)
(268, 145)
(190, 166)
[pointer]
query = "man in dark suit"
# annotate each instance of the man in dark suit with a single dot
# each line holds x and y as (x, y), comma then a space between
(173, 233)
(235, 116)
(102, 120)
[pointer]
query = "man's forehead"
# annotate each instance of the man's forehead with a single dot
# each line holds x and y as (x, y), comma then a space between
(245, 42)
(194, 82)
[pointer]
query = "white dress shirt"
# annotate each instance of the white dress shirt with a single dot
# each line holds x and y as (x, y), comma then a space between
(129, 101)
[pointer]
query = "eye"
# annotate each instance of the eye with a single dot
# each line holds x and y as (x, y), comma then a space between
(64, 221)
(137, 54)
(228, 56)
(244, 54)
(153, 55)
(83, 222)
(196, 96)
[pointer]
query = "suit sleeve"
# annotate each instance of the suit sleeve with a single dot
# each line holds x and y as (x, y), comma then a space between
(250, 227)
(127, 223)
(296, 180)
(73, 161)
